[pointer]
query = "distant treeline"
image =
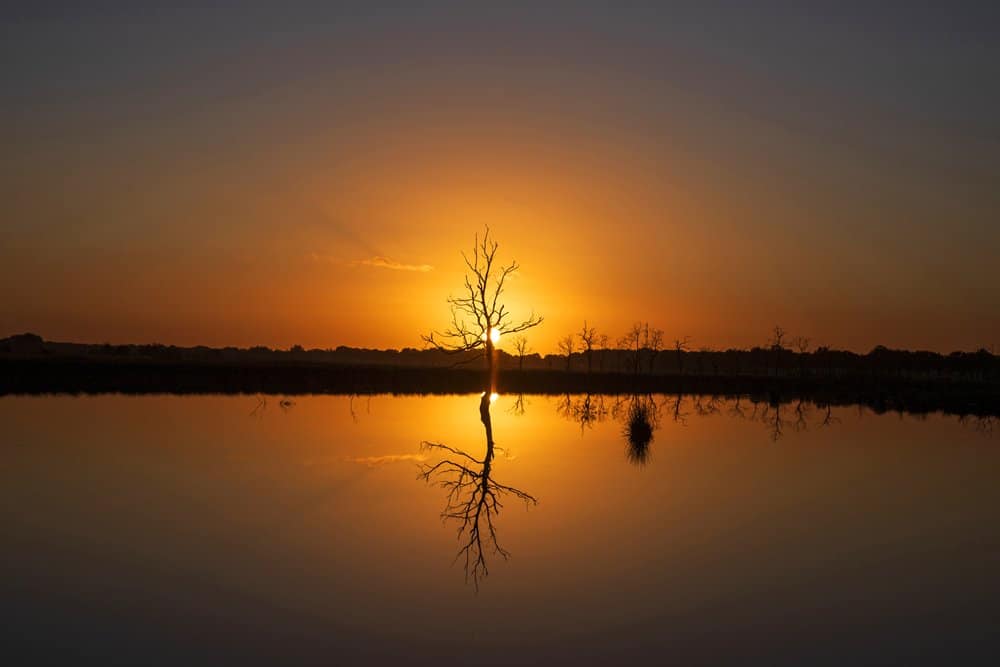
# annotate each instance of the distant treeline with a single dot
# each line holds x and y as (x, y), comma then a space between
(68, 375)
(775, 361)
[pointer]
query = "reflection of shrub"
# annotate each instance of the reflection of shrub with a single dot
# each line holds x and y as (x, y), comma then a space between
(639, 431)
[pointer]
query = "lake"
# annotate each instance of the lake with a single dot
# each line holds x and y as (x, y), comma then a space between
(675, 530)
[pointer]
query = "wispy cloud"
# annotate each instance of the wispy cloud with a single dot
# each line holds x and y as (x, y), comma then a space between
(382, 262)
(373, 461)
(378, 262)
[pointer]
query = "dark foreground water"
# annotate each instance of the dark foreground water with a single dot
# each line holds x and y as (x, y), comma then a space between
(152, 530)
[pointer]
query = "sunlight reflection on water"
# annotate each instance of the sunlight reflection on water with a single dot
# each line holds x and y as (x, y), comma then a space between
(660, 521)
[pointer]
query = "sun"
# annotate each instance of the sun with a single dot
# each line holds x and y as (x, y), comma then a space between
(494, 336)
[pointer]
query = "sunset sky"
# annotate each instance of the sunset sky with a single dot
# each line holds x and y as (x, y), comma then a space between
(308, 174)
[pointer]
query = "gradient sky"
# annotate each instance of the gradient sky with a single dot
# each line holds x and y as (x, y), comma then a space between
(302, 174)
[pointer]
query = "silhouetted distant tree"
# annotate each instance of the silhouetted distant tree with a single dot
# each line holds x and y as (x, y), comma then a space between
(479, 312)
(801, 344)
(632, 341)
(566, 347)
(522, 349)
(588, 336)
(777, 338)
(602, 342)
(680, 347)
(652, 341)
(776, 343)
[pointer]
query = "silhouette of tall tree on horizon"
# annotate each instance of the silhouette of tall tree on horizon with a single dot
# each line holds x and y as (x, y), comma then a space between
(479, 311)
(588, 337)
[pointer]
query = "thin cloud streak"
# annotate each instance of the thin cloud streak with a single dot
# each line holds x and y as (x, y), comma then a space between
(375, 461)
(378, 262)
(386, 263)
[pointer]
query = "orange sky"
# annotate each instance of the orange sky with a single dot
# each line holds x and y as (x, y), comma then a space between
(242, 194)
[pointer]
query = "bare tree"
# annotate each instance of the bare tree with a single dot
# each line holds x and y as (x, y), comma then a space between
(588, 336)
(777, 338)
(681, 345)
(521, 346)
(652, 341)
(566, 347)
(632, 341)
(801, 344)
(602, 343)
(776, 343)
(479, 317)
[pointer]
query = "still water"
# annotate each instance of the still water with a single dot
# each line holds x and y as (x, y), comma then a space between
(163, 529)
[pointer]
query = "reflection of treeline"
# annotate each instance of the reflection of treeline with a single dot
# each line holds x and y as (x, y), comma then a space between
(641, 359)
(641, 415)
(880, 393)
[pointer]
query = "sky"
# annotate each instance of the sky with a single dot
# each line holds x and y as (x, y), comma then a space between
(245, 174)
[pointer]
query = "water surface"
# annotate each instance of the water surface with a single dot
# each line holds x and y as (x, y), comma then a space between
(161, 529)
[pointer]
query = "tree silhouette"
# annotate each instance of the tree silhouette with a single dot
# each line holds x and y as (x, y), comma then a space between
(479, 312)
(652, 341)
(776, 343)
(801, 344)
(632, 341)
(602, 343)
(522, 349)
(566, 347)
(681, 346)
(588, 337)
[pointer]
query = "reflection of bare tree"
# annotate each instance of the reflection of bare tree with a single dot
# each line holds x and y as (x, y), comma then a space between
(737, 410)
(585, 410)
(984, 424)
(564, 407)
(354, 413)
(517, 408)
(261, 407)
(589, 410)
(473, 498)
(679, 417)
(772, 417)
(802, 411)
(706, 406)
(829, 418)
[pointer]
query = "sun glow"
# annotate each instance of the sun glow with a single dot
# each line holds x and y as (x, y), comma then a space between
(494, 336)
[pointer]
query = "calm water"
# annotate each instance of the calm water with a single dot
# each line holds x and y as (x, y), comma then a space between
(165, 529)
